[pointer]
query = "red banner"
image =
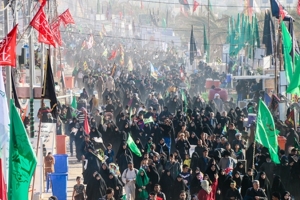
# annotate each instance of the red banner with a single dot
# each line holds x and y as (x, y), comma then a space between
(40, 23)
(67, 18)
(195, 6)
(298, 7)
(43, 2)
(3, 193)
(113, 55)
(86, 125)
(281, 12)
(56, 32)
(8, 49)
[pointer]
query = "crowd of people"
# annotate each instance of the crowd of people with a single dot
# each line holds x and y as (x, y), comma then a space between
(190, 147)
(189, 150)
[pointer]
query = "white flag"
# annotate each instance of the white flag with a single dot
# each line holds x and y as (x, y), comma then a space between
(4, 116)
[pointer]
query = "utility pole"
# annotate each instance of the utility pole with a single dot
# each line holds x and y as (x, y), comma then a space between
(8, 68)
(208, 31)
(31, 68)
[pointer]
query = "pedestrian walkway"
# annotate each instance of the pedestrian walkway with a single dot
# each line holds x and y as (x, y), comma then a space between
(75, 169)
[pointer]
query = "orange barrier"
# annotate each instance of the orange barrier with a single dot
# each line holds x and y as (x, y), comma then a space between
(61, 144)
(281, 142)
(69, 81)
(58, 74)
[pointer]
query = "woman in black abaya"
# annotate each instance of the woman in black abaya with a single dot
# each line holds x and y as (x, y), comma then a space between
(95, 134)
(277, 185)
(114, 183)
(96, 187)
(196, 183)
(123, 156)
(153, 177)
(93, 165)
(104, 172)
(166, 182)
(79, 138)
(264, 184)
(136, 159)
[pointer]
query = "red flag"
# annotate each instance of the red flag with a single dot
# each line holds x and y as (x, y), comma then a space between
(8, 49)
(142, 5)
(40, 23)
(113, 55)
(86, 125)
(121, 15)
(250, 8)
(298, 7)
(195, 6)
(83, 44)
(43, 2)
(67, 18)
(90, 43)
(282, 12)
(56, 32)
(290, 119)
(2, 184)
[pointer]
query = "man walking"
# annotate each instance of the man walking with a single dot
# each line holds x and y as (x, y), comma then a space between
(128, 178)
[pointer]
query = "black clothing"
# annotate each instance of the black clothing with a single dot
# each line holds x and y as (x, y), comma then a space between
(177, 188)
(166, 182)
(251, 193)
(233, 193)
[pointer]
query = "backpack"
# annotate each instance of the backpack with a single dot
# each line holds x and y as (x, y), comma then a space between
(135, 170)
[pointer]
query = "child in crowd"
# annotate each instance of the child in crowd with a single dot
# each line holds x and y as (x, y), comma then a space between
(187, 160)
(109, 153)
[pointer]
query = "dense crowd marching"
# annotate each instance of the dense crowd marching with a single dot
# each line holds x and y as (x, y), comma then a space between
(191, 147)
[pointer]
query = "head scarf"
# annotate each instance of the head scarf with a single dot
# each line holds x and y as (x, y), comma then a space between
(140, 182)
(205, 186)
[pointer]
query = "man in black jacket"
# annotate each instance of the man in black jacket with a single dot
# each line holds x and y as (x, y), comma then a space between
(255, 192)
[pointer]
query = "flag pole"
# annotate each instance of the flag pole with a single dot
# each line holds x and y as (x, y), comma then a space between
(39, 131)
(253, 159)
(8, 68)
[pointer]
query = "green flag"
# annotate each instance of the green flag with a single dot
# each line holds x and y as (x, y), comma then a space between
(164, 23)
(74, 106)
(266, 134)
(294, 86)
(209, 6)
(224, 131)
(206, 45)
(256, 33)
(229, 32)
(148, 120)
(287, 47)
(184, 98)
(22, 160)
(234, 37)
(74, 103)
(131, 144)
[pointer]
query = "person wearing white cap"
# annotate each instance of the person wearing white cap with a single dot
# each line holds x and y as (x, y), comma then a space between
(238, 140)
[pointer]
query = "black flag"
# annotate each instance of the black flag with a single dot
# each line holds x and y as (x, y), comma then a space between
(186, 5)
(62, 80)
(48, 91)
(167, 18)
(268, 34)
(17, 103)
(193, 48)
